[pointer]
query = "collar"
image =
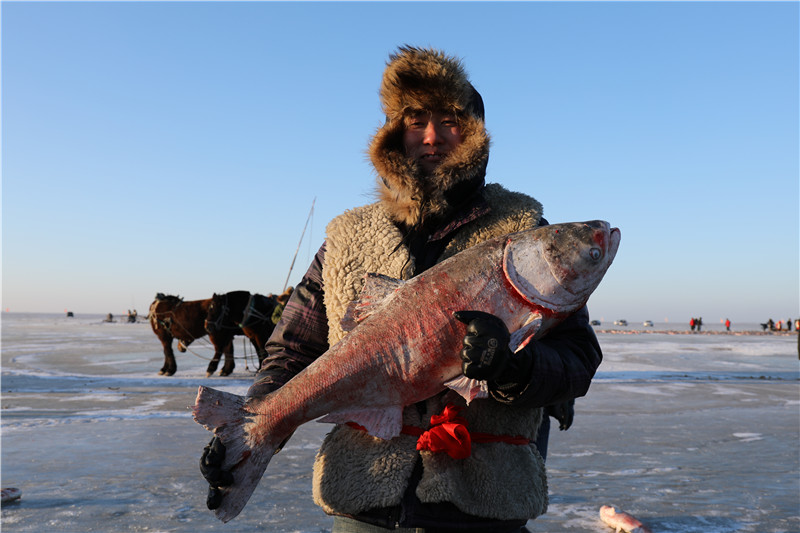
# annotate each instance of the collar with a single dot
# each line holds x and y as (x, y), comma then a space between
(474, 208)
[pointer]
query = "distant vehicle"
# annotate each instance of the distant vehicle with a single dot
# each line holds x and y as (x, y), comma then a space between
(648, 323)
(595, 322)
(621, 322)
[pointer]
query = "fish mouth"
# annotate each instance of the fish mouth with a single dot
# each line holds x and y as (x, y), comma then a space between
(614, 237)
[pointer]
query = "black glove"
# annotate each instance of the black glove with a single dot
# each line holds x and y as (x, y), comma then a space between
(564, 412)
(486, 355)
(210, 466)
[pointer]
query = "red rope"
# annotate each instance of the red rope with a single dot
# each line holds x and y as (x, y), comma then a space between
(449, 434)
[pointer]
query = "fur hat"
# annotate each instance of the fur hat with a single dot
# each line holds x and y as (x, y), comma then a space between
(418, 79)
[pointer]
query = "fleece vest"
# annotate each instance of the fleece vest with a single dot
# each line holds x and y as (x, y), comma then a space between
(354, 471)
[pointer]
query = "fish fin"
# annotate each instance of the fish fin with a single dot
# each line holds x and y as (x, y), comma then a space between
(521, 337)
(381, 423)
(468, 388)
(377, 288)
(225, 415)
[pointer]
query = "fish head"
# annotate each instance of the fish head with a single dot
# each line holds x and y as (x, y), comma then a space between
(559, 266)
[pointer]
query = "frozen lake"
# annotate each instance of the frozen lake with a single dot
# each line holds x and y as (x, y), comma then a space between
(689, 433)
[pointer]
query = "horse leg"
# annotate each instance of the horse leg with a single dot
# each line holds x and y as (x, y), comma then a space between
(227, 368)
(214, 363)
(254, 342)
(170, 366)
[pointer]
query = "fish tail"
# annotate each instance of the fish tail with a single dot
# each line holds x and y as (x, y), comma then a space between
(224, 413)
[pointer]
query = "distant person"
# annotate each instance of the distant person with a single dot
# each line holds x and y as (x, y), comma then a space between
(692, 323)
(789, 324)
(727, 324)
(797, 325)
(699, 323)
(771, 325)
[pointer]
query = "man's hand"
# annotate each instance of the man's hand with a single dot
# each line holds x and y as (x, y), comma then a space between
(485, 354)
(564, 412)
(211, 468)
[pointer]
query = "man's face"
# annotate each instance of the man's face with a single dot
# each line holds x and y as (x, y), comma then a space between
(429, 137)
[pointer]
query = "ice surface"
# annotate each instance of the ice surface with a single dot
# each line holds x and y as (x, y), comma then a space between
(689, 433)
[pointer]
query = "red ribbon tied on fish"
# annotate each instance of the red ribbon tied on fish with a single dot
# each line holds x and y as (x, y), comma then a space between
(448, 434)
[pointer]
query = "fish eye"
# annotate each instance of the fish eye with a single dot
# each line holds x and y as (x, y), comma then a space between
(595, 254)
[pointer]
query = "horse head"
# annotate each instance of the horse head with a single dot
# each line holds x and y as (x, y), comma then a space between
(217, 310)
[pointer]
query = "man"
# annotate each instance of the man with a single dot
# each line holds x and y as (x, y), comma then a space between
(430, 157)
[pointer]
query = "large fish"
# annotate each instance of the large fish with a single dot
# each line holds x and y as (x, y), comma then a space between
(403, 343)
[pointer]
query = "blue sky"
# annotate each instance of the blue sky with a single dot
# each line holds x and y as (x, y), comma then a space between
(177, 147)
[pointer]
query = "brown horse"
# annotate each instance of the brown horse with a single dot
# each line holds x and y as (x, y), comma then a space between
(257, 322)
(172, 318)
(223, 322)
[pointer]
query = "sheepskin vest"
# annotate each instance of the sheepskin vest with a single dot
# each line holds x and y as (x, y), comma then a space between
(354, 471)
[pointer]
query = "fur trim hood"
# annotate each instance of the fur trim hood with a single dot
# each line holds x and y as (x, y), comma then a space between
(416, 80)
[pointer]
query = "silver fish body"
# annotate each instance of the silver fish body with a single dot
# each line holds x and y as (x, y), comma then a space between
(403, 343)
